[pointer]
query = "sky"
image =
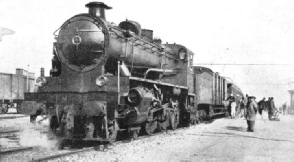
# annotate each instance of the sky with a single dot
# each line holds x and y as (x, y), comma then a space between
(258, 34)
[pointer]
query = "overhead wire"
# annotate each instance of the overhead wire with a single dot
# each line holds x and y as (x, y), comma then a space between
(255, 64)
(244, 64)
(266, 83)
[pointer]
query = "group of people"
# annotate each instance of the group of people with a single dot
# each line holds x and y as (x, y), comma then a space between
(268, 106)
(248, 108)
(235, 109)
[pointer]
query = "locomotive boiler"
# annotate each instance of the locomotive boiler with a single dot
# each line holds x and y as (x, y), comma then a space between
(108, 78)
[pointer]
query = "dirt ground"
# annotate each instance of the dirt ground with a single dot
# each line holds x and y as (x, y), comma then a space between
(222, 140)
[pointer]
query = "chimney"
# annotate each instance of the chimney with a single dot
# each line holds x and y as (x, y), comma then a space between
(42, 72)
(97, 9)
(157, 40)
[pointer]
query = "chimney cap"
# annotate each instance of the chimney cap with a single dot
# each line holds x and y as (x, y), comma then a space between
(98, 4)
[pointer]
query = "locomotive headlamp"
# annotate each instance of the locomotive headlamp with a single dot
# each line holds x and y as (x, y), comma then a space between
(101, 80)
(40, 81)
(76, 40)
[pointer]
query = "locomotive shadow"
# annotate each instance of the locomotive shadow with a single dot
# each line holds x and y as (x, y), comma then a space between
(234, 128)
(208, 121)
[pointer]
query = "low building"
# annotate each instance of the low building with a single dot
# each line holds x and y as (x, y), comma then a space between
(291, 108)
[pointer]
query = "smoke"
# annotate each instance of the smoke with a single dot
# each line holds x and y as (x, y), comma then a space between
(5, 31)
(37, 135)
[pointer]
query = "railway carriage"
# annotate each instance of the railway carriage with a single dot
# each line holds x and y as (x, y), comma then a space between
(235, 91)
(212, 92)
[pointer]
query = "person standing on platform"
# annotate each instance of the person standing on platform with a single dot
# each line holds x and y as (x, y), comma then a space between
(268, 102)
(284, 108)
(251, 110)
(261, 105)
(229, 101)
(246, 99)
(271, 108)
(233, 107)
(242, 107)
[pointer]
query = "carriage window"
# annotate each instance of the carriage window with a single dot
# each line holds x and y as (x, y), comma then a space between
(183, 54)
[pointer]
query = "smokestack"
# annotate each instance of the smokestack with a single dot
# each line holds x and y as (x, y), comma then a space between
(42, 72)
(97, 9)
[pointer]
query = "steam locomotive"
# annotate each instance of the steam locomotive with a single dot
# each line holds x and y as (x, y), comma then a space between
(107, 79)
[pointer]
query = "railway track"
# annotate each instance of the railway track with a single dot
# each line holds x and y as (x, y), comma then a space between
(50, 157)
(34, 150)
(94, 148)
(38, 154)
(2, 117)
(100, 147)
(14, 150)
(11, 134)
(8, 132)
(59, 154)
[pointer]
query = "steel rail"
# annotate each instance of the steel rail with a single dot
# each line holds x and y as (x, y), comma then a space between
(45, 158)
(16, 150)
(11, 117)
(10, 131)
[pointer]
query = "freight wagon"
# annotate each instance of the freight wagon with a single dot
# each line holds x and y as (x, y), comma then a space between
(13, 87)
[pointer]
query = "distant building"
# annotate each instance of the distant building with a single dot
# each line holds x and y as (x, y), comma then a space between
(291, 108)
